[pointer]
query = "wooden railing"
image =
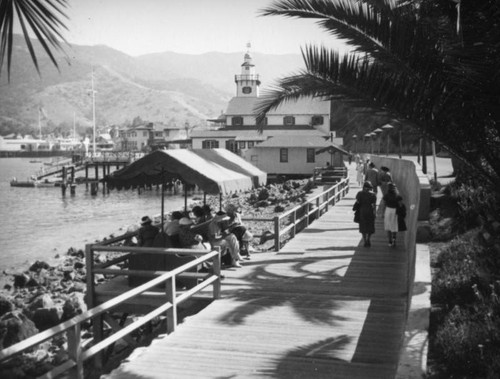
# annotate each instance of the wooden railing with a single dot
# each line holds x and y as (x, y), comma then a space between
(288, 224)
(329, 174)
(172, 298)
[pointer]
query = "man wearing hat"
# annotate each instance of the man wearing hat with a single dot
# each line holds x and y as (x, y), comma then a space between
(147, 232)
(219, 236)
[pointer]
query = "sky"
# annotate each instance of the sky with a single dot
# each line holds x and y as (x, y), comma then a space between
(139, 27)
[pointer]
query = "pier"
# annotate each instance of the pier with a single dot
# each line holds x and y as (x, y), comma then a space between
(319, 306)
(323, 306)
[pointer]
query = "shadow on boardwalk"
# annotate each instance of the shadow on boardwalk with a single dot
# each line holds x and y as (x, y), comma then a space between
(322, 307)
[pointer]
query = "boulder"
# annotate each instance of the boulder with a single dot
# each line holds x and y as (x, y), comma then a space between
(6, 305)
(41, 301)
(74, 305)
(15, 327)
(20, 280)
(45, 318)
(39, 265)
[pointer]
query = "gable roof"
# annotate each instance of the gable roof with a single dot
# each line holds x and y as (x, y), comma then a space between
(294, 140)
(302, 106)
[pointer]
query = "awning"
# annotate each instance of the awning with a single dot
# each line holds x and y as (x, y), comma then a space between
(235, 163)
(213, 173)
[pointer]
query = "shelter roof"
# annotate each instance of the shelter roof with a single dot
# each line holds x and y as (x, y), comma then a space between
(213, 173)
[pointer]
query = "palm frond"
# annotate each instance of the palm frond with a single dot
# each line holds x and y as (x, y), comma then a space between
(41, 17)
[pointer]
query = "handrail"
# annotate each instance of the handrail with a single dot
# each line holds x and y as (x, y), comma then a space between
(72, 327)
(332, 194)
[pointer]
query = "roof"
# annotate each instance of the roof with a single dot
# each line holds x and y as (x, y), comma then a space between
(213, 173)
(302, 106)
(252, 134)
(294, 140)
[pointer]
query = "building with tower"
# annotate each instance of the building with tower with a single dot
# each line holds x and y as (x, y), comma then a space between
(238, 130)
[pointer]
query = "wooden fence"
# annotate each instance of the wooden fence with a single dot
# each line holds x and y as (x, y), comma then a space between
(288, 224)
(168, 304)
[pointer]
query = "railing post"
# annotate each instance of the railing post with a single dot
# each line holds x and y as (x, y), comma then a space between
(75, 350)
(276, 233)
(216, 262)
(97, 322)
(327, 200)
(172, 311)
(317, 208)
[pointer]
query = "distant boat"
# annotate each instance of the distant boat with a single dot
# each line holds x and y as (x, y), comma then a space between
(35, 161)
(32, 183)
(23, 183)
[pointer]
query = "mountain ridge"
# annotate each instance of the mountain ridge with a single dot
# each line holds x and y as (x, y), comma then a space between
(167, 87)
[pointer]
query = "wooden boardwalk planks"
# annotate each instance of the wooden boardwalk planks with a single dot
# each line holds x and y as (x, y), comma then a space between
(322, 307)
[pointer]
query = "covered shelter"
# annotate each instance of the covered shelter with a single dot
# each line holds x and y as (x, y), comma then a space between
(216, 171)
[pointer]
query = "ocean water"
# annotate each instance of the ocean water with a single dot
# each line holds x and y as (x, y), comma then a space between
(39, 223)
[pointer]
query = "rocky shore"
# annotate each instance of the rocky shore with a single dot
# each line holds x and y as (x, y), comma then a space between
(44, 295)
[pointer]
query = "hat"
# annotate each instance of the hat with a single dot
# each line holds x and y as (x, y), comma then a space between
(146, 220)
(221, 216)
(367, 184)
(185, 221)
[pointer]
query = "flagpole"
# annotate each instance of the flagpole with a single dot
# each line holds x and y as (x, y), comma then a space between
(39, 124)
(93, 114)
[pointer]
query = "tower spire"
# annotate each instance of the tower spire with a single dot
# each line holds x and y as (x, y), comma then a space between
(247, 84)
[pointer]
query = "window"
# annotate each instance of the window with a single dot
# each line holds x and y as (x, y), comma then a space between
(288, 120)
(250, 144)
(237, 120)
(317, 120)
(242, 145)
(210, 144)
(311, 156)
(284, 155)
(263, 122)
(144, 134)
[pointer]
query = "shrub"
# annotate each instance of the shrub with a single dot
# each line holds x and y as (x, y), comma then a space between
(475, 203)
(468, 341)
(458, 272)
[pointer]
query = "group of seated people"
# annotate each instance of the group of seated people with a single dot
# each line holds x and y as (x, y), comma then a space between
(202, 231)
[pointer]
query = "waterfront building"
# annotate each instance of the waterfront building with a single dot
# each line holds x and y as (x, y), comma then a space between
(150, 136)
(237, 128)
(20, 144)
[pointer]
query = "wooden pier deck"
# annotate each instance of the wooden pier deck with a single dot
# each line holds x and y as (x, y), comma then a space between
(322, 307)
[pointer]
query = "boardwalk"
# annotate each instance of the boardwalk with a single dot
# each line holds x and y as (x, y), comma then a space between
(323, 307)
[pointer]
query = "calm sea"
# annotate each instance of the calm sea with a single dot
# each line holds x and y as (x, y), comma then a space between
(39, 223)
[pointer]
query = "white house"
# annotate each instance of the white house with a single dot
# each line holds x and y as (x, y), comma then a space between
(288, 155)
(238, 130)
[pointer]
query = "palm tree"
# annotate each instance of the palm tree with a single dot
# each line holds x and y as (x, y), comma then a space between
(43, 18)
(433, 64)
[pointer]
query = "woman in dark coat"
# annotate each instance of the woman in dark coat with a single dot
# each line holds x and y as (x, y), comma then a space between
(366, 200)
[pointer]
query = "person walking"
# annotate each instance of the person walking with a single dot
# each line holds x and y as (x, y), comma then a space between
(366, 201)
(384, 179)
(372, 176)
(391, 202)
(359, 173)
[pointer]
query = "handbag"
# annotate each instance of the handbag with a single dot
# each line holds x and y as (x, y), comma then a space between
(356, 216)
(355, 208)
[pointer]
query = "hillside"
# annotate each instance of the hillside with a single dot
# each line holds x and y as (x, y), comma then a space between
(168, 87)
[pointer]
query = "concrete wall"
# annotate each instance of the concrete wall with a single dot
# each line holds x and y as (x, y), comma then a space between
(414, 186)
